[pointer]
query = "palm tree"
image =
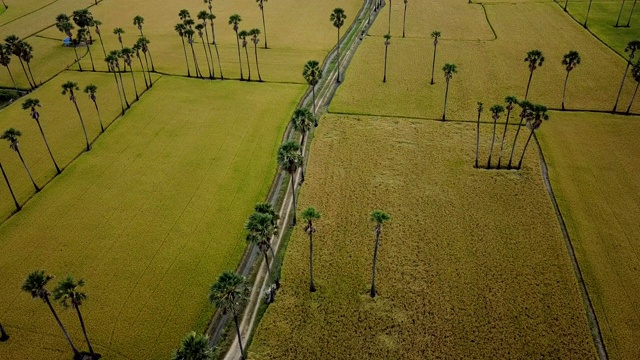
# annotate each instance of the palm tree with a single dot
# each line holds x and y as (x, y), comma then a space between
(83, 37)
(184, 15)
(510, 100)
(70, 87)
(255, 40)
(480, 109)
(180, 28)
(404, 18)
(570, 61)
(68, 293)
(12, 135)
(435, 35)
(199, 28)
(32, 105)
(635, 73)
(337, 18)
(138, 21)
(194, 346)
(587, 17)
(633, 7)
(96, 23)
(230, 293)
(26, 54)
(116, 64)
(13, 196)
(189, 33)
(496, 110)
(92, 90)
(379, 217)
(118, 32)
(36, 285)
(204, 16)
(631, 48)
(84, 19)
(289, 160)
(137, 48)
(387, 41)
(264, 27)
(235, 20)
(211, 18)
(267, 208)
(143, 43)
(535, 60)
(309, 215)
(5, 60)
(243, 35)
(14, 44)
(312, 73)
(111, 61)
(524, 113)
(65, 27)
(126, 54)
(260, 229)
(449, 70)
(534, 120)
(302, 120)
(620, 14)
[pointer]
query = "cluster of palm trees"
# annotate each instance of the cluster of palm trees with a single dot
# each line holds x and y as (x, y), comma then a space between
(14, 46)
(632, 47)
(68, 293)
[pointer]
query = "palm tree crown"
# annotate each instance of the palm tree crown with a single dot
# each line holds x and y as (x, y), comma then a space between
(11, 135)
(379, 217)
(68, 292)
(194, 346)
(289, 157)
(32, 104)
(338, 17)
(35, 284)
(535, 59)
(69, 87)
(235, 20)
(229, 293)
(435, 35)
(571, 59)
(312, 72)
(449, 70)
(138, 21)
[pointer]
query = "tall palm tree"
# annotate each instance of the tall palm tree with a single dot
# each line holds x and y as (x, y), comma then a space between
(204, 16)
(65, 27)
(312, 73)
(535, 117)
(267, 208)
(587, 17)
(194, 346)
(243, 35)
(189, 33)
(26, 54)
(387, 42)
(84, 19)
(260, 229)
(496, 110)
(118, 32)
(138, 21)
(96, 24)
(619, 14)
(234, 20)
(264, 26)
(91, 89)
(83, 37)
(404, 17)
(13, 196)
(70, 87)
(69, 294)
(5, 60)
(32, 105)
(230, 293)
(303, 121)
(510, 100)
(525, 112)
(12, 135)
(199, 28)
(211, 18)
(126, 54)
(14, 44)
(435, 36)
(631, 48)
(184, 14)
(111, 61)
(137, 48)
(570, 61)
(337, 18)
(289, 160)
(633, 7)
(449, 70)
(143, 42)
(534, 59)
(309, 215)
(254, 33)
(180, 28)
(36, 285)
(116, 64)
(635, 73)
(480, 108)
(379, 217)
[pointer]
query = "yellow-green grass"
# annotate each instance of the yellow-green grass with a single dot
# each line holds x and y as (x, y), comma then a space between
(26, 17)
(602, 20)
(149, 218)
(62, 127)
(472, 264)
(487, 70)
(594, 165)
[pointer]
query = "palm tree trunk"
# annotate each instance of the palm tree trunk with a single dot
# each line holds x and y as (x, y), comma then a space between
(135, 87)
(93, 66)
(102, 44)
(389, 32)
(207, 57)
(213, 31)
(264, 28)
(235, 318)
(77, 58)
(255, 49)
(338, 61)
(504, 134)
(195, 61)
(446, 94)
(384, 78)
(124, 93)
(513, 148)
(477, 139)
(153, 67)
(31, 73)
(620, 14)
(615, 106)
(293, 194)
(82, 123)
(148, 71)
(633, 98)
(246, 52)
(144, 74)
(526, 94)
(373, 271)
(32, 86)
(313, 97)
(48, 148)
(587, 17)
(84, 331)
(3, 334)
(208, 46)
(525, 149)
(564, 91)
(266, 262)
(239, 57)
(312, 286)
(215, 46)
(493, 140)
(11, 76)
(6, 179)
(99, 117)
(404, 19)
(633, 7)
(565, 5)
(433, 65)
(28, 171)
(66, 335)
(184, 47)
(118, 87)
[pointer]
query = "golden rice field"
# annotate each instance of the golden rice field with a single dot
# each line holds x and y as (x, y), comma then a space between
(472, 264)
(148, 217)
(594, 166)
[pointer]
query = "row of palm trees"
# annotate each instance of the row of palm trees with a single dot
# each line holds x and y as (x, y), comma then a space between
(14, 46)
(126, 54)
(68, 293)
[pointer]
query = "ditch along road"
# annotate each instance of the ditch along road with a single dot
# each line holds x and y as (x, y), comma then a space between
(325, 91)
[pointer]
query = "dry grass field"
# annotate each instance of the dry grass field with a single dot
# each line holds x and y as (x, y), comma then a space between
(148, 217)
(594, 167)
(472, 264)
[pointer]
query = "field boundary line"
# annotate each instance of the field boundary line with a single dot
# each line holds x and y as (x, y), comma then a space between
(592, 319)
